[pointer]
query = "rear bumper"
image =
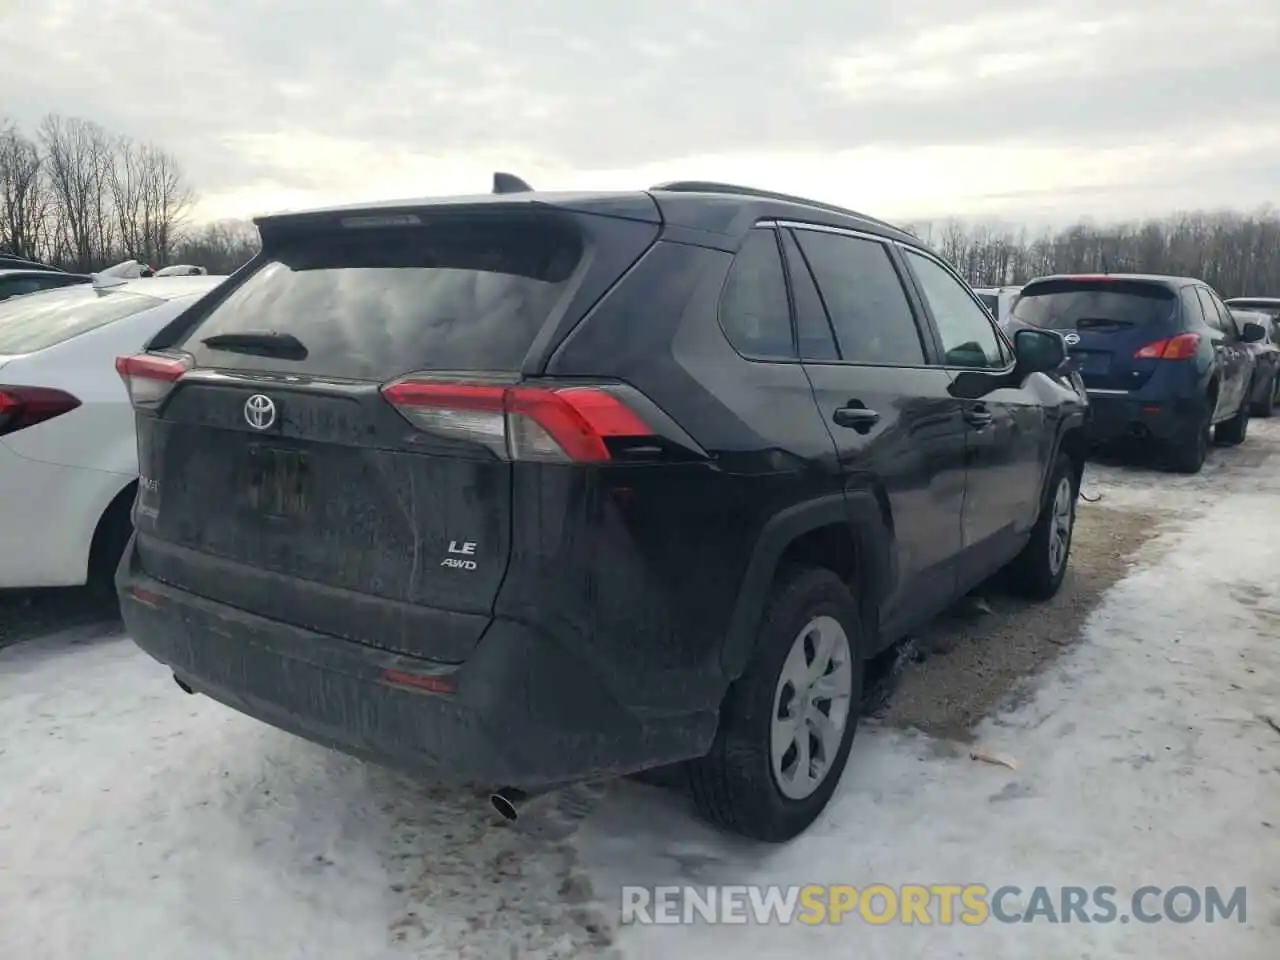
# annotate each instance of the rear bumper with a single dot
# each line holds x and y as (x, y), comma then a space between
(524, 713)
(1118, 415)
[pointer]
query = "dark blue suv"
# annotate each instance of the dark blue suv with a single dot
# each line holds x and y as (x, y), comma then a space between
(1162, 358)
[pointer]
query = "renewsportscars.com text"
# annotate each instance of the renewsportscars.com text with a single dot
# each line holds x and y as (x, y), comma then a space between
(931, 904)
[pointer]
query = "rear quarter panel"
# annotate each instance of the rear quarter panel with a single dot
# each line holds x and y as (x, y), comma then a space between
(61, 475)
(99, 434)
(659, 554)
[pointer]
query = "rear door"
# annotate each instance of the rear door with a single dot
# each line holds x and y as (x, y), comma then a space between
(887, 407)
(1242, 353)
(278, 478)
(1105, 321)
(1234, 363)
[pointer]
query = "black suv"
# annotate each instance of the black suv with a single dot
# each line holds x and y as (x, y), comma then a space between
(1162, 358)
(529, 488)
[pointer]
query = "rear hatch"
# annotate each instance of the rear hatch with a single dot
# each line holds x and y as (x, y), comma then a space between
(1106, 321)
(277, 477)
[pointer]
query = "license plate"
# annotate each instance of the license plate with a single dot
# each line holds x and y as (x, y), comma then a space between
(278, 482)
(1088, 363)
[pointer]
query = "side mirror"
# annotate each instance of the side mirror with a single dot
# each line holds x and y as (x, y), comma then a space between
(1038, 351)
(1252, 332)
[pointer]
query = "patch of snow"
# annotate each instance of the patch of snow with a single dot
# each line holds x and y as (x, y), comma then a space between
(1142, 760)
(138, 822)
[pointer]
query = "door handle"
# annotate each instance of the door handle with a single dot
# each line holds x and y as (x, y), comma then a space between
(858, 418)
(978, 417)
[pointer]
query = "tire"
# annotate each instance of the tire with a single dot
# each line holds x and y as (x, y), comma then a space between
(1038, 571)
(746, 784)
(1232, 433)
(1267, 405)
(109, 541)
(1187, 453)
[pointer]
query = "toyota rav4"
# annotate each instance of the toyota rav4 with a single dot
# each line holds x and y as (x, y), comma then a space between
(528, 489)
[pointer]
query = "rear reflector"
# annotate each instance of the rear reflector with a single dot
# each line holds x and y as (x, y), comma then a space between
(150, 376)
(147, 597)
(22, 407)
(567, 424)
(429, 682)
(1182, 347)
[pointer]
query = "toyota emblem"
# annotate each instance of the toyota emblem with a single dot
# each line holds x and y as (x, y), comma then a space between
(260, 412)
(1071, 339)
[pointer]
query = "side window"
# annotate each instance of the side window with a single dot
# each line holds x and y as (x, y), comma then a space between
(51, 283)
(968, 337)
(754, 312)
(813, 329)
(22, 285)
(1211, 315)
(864, 299)
(1194, 312)
(1228, 319)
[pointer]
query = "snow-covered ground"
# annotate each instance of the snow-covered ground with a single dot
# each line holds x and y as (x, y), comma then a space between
(137, 822)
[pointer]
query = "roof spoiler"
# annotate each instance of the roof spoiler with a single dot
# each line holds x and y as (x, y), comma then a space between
(509, 183)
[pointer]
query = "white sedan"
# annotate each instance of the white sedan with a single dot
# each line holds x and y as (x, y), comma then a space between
(68, 453)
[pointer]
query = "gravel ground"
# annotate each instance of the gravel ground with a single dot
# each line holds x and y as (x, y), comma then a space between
(978, 656)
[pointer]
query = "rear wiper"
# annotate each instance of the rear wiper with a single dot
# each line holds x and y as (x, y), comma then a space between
(262, 343)
(1087, 322)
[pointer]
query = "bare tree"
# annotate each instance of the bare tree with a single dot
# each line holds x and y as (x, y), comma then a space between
(23, 197)
(220, 247)
(78, 157)
(167, 200)
(128, 187)
(1237, 253)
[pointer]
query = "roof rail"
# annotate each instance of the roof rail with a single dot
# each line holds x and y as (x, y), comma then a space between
(711, 186)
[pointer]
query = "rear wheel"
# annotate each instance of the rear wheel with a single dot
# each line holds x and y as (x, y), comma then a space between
(786, 725)
(1188, 451)
(1233, 431)
(1038, 571)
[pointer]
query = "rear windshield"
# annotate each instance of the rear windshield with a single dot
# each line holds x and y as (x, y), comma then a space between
(1062, 304)
(39, 320)
(377, 303)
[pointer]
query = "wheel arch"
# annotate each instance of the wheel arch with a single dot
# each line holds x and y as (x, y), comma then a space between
(114, 521)
(847, 533)
(1071, 439)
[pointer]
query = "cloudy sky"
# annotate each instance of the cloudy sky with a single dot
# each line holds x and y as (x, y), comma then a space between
(1032, 110)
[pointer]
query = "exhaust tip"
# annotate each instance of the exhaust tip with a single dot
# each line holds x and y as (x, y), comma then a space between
(505, 805)
(182, 684)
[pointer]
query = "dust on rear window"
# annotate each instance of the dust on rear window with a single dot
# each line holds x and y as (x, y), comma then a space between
(38, 320)
(1062, 304)
(372, 304)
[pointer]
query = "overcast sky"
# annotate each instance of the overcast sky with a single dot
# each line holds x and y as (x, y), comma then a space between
(921, 108)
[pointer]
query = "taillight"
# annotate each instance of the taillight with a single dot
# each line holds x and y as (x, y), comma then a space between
(22, 407)
(149, 376)
(1182, 347)
(570, 424)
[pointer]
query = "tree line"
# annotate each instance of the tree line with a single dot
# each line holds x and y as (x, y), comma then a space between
(75, 195)
(1238, 254)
